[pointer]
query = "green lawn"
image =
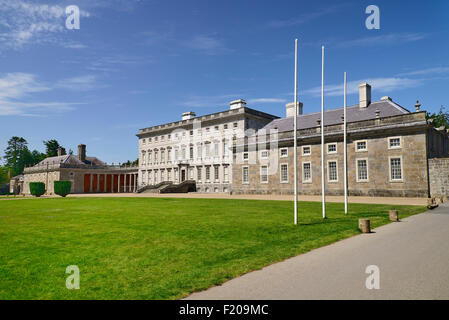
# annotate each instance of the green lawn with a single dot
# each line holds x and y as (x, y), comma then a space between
(158, 248)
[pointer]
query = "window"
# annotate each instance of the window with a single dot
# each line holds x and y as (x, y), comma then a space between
(235, 124)
(169, 137)
(149, 139)
(264, 154)
(394, 143)
(225, 126)
(198, 174)
(191, 153)
(207, 150)
(306, 172)
(306, 150)
(169, 155)
(216, 148)
(225, 174)
(225, 147)
(245, 155)
(284, 152)
(199, 151)
(216, 173)
(395, 169)
(155, 138)
(176, 154)
(191, 132)
(162, 138)
(207, 174)
(332, 148)
(216, 128)
(264, 174)
(169, 175)
(284, 173)
(162, 155)
(361, 146)
(183, 153)
(191, 173)
(207, 129)
(150, 154)
(332, 171)
(143, 141)
(362, 170)
(245, 175)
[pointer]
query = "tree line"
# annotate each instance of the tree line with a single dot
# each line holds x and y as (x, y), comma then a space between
(17, 155)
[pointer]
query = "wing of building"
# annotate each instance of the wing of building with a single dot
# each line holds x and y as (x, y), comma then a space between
(87, 174)
(389, 152)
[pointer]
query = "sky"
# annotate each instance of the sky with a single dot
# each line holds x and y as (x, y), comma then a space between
(138, 63)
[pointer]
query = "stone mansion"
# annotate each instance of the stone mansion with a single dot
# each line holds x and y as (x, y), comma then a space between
(391, 151)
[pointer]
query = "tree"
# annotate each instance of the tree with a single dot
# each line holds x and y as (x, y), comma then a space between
(440, 119)
(51, 147)
(3, 175)
(17, 155)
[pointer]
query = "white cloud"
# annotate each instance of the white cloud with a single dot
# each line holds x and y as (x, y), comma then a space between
(436, 70)
(207, 44)
(266, 100)
(378, 84)
(387, 39)
(305, 17)
(26, 22)
(81, 83)
(210, 101)
(16, 91)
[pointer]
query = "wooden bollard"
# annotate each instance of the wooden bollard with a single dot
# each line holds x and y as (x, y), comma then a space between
(394, 215)
(364, 225)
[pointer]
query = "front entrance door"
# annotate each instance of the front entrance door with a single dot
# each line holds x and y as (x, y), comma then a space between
(183, 175)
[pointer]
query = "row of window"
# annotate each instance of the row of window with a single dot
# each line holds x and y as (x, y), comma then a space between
(156, 176)
(362, 174)
(361, 145)
(160, 156)
(168, 137)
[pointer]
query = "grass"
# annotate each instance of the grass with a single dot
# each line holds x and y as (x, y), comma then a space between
(158, 248)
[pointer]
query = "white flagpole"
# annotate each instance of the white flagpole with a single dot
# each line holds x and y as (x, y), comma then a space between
(323, 197)
(295, 129)
(345, 150)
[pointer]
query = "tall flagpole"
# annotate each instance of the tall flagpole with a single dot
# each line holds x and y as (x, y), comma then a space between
(323, 197)
(295, 129)
(345, 148)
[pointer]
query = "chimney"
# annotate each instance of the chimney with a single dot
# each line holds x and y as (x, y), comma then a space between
(290, 109)
(237, 104)
(82, 152)
(188, 115)
(61, 151)
(364, 95)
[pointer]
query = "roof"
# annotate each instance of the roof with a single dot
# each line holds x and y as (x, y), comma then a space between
(70, 159)
(387, 108)
(210, 116)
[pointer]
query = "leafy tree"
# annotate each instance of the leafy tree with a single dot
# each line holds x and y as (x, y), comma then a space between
(17, 155)
(3, 175)
(440, 119)
(51, 147)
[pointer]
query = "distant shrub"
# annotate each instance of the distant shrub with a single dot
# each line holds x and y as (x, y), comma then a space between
(37, 188)
(62, 188)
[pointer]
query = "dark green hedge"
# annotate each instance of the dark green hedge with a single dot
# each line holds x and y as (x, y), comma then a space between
(62, 188)
(37, 188)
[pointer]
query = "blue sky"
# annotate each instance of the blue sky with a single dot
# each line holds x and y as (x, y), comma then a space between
(134, 64)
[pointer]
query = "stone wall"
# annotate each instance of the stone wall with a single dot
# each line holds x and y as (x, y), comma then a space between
(439, 177)
(412, 152)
